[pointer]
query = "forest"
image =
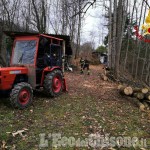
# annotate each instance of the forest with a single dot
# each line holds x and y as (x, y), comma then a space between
(125, 51)
(95, 97)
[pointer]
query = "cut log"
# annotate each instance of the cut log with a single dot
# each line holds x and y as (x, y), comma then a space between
(120, 86)
(103, 77)
(145, 90)
(147, 96)
(148, 102)
(136, 90)
(139, 104)
(121, 89)
(146, 105)
(127, 90)
(107, 73)
(140, 96)
(142, 107)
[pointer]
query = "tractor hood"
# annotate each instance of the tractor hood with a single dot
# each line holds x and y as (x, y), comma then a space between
(13, 70)
(8, 76)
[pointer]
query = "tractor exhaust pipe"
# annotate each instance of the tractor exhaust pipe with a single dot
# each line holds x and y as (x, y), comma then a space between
(63, 56)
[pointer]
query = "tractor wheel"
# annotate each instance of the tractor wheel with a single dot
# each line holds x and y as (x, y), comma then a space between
(21, 95)
(53, 83)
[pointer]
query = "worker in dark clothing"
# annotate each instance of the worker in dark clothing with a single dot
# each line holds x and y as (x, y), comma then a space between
(82, 64)
(86, 65)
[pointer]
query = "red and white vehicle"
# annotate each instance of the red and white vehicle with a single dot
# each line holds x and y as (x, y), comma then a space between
(36, 61)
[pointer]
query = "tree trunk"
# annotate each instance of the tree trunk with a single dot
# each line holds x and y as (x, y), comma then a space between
(110, 36)
(78, 32)
(114, 34)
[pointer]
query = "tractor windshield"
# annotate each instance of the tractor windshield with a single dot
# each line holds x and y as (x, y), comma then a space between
(24, 52)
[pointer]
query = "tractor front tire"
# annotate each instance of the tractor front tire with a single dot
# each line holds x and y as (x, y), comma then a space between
(21, 95)
(53, 83)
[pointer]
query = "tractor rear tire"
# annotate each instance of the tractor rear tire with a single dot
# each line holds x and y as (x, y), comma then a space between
(53, 83)
(21, 95)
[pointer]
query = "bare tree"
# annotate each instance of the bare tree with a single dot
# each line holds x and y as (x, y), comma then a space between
(9, 12)
(39, 12)
(8, 18)
(122, 15)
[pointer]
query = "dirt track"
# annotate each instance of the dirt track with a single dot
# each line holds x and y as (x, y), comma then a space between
(90, 106)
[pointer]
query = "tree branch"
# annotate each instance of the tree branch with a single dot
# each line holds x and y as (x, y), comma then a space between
(82, 9)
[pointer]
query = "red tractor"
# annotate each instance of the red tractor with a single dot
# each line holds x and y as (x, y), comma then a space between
(36, 61)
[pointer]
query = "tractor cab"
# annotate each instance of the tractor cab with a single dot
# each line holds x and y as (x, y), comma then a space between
(49, 54)
(36, 61)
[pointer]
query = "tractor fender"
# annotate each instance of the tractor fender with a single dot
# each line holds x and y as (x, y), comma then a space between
(21, 78)
(47, 70)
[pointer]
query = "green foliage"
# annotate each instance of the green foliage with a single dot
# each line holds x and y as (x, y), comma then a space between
(101, 49)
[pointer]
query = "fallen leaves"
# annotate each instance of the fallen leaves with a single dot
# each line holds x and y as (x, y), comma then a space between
(91, 106)
(3, 146)
(21, 133)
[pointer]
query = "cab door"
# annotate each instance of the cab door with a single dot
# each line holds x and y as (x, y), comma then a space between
(56, 55)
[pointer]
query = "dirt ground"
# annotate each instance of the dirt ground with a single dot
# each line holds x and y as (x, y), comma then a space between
(90, 106)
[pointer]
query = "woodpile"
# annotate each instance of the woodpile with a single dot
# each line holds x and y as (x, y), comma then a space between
(127, 90)
(107, 74)
(141, 96)
(103, 77)
(104, 74)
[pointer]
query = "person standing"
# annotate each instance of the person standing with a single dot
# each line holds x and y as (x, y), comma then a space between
(82, 65)
(86, 65)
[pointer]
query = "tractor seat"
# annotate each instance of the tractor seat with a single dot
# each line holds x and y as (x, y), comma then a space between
(40, 63)
(39, 69)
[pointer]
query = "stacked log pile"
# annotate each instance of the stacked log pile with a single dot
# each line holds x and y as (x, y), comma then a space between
(107, 74)
(141, 96)
(103, 77)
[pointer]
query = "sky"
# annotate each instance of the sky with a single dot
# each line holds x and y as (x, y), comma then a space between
(93, 29)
